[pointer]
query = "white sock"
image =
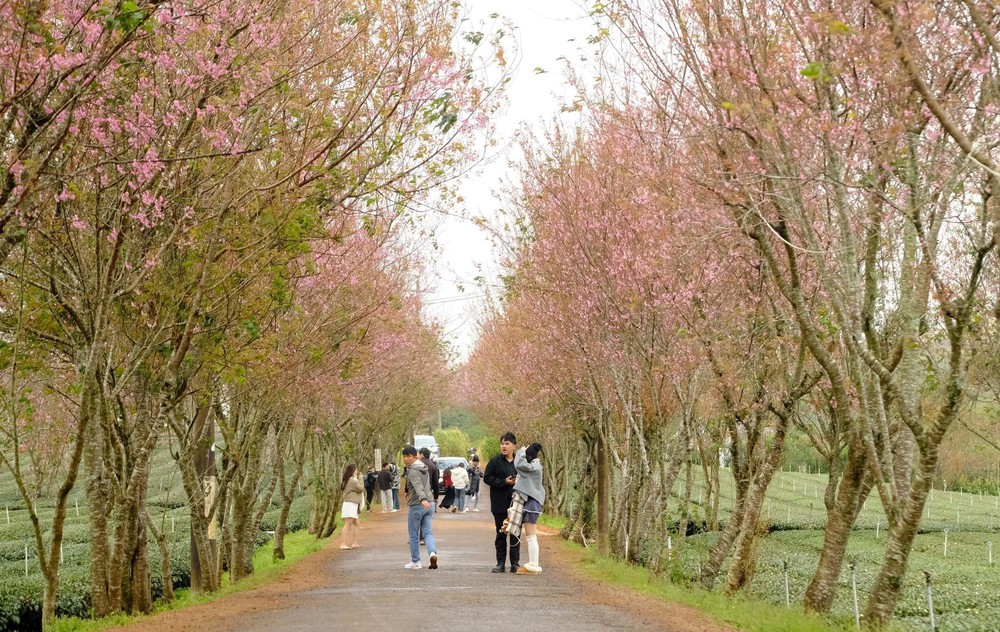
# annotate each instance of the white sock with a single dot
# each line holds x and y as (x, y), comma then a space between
(532, 549)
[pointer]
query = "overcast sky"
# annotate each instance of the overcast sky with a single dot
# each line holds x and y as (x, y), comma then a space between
(545, 31)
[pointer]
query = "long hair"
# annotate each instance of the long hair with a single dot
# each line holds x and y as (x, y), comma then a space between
(348, 473)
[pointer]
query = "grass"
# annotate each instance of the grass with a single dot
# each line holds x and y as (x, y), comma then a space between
(745, 614)
(266, 569)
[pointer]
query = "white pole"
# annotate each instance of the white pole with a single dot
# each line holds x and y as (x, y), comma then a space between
(76, 501)
(171, 524)
(946, 543)
(60, 553)
(854, 590)
(878, 524)
(25, 560)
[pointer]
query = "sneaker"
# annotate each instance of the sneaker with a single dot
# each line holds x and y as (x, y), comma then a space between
(514, 568)
(434, 561)
(498, 569)
(529, 569)
(412, 565)
(344, 547)
(476, 510)
(394, 511)
(465, 511)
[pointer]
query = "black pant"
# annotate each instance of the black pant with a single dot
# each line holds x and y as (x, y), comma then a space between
(501, 543)
(368, 498)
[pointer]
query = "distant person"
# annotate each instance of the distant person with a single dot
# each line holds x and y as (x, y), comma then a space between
(433, 474)
(384, 481)
(475, 476)
(395, 471)
(529, 486)
(448, 491)
(432, 470)
(460, 481)
(371, 479)
(500, 476)
(420, 504)
(352, 488)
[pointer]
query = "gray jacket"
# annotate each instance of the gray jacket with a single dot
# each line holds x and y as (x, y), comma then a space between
(529, 477)
(417, 485)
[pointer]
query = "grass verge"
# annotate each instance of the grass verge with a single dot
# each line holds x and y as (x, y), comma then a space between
(297, 546)
(736, 611)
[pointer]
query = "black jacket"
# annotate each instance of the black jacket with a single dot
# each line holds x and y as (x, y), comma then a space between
(384, 480)
(497, 471)
(434, 474)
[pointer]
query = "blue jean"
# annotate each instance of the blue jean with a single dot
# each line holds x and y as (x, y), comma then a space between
(460, 499)
(395, 498)
(419, 523)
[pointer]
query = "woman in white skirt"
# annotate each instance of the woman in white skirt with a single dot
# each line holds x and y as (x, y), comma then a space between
(353, 490)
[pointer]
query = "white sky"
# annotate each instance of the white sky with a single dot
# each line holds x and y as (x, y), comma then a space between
(545, 31)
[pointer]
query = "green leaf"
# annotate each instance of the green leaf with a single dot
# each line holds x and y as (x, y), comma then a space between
(813, 70)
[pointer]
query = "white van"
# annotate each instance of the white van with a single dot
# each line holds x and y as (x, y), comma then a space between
(429, 442)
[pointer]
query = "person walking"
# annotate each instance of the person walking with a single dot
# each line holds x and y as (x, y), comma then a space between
(385, 488)
(420, 505)
(500, 476)
(529, 486)
(475, 476)
(352, 488)
(460, 481)
(394, 470)
(371, 479)
(433, 474)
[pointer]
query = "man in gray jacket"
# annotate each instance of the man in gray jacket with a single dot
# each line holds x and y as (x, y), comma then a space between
(420, 504)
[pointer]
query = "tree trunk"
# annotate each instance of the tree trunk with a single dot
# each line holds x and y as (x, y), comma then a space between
(885, 592)
(850, 495)
(603, 484)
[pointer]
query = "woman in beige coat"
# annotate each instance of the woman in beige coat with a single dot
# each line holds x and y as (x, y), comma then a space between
(354, 491)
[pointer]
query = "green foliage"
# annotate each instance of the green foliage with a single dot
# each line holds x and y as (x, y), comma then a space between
(453, 442)
(466, 421)
(794, 510)
(746, 614)
(21, 595)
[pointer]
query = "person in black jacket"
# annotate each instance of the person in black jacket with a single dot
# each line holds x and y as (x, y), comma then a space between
(433, 475)
(385, 488)
(371, 478)
(500, 476)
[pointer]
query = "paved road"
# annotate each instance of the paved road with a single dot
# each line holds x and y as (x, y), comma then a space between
(368, 589)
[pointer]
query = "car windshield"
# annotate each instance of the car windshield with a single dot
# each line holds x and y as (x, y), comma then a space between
(446, 462)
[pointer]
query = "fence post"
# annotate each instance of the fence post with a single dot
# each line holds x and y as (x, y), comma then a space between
(854, 591)
(946, 542)
(930, 599)
(788, 599)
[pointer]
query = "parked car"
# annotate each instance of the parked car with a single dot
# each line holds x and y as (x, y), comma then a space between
(429, 442)
(448, 462)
